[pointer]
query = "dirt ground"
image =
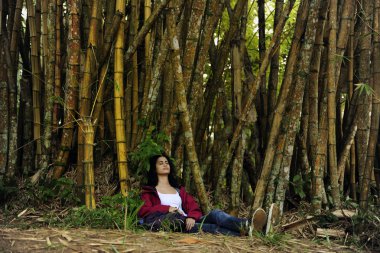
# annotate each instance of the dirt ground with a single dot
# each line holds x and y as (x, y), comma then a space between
(95, 240)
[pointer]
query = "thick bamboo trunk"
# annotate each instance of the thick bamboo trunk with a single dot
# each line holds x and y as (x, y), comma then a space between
(73, 79)
(44, 34)
(280, 106)
(156, 78)
(374, 129)
(214, 11)
(86, 85)
(250, 97)
(134, 24)
(88, 163)
(11, 107)
(58, 65)
(331, 101)
(110, 33)
(274, 67)
(50, 55)
(15, 33)
(346, 18)
(263, 94)
(121, 143)
(344, 155)
(237, 163)
(25, 116)
(350, 88)
(364, 103)
(4, 134)
(184, 114)
(313, 83)
(320, 160)
(36, 80)
(215, 81)
(189, 54)
(294, 108)
(147, 61)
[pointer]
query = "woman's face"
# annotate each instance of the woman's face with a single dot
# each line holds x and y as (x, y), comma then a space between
(162, 166)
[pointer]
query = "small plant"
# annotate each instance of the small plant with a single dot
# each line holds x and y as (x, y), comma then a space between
(298, 185)
(6, 191)
(112, 212)
(62, 189)
(272, 238)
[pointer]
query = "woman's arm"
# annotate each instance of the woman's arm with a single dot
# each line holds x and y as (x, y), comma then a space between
(149, 208)
(190, 206)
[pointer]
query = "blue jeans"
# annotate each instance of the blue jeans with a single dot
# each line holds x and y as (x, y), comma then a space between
(216, 222)
(219, 222)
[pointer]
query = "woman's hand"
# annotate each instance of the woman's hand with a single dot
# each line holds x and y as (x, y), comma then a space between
(189, 223)
(173, 209)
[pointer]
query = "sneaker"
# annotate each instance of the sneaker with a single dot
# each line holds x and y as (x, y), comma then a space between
(273, 218)
(259, 219)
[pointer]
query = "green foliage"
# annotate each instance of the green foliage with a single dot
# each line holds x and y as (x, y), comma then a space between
(151, 145)
(273, 239)
(6, 191)
(298, 185)
(112, 212)
(364, 87)
(62, 189)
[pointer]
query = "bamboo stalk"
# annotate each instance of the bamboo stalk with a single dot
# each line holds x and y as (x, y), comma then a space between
(88, 162)
(135, 74)
(350, 84)
(44, 35)
(294, 107)
(58, 64)
(364, 102)
(313, 83)
(148, 63)
(121, 143)
(86, 85)
(346, 153)
(4, 133)
(215, 10)
(237, 164)
(331, 108)
(145, 29)
(274, 67)
(15, 32)
(49, 81)
(374, 129)
(35, 80)
(73, 79)
(184, 114)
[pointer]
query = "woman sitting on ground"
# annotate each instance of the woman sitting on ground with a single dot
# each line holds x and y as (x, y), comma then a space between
(167, 203)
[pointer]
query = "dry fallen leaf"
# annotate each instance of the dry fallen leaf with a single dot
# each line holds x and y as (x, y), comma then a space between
(67, 237)
(48, 242)
(22, 213)
(189, 240)
(63, 242)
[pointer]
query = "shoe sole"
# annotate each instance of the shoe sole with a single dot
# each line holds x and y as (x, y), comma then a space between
(259, 219)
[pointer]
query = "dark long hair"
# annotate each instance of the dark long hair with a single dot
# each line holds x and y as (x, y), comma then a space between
(152, 176)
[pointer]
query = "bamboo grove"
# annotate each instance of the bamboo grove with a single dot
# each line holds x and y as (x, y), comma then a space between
(260, 101)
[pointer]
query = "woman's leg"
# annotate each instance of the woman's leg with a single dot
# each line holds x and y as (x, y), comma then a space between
(225, 220)
(164, 221)
(212, 228)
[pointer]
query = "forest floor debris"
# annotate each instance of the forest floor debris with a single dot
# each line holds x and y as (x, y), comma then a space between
(106, 240)
(27, 231)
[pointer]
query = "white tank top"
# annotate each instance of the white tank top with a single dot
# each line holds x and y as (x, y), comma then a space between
(171, 199)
